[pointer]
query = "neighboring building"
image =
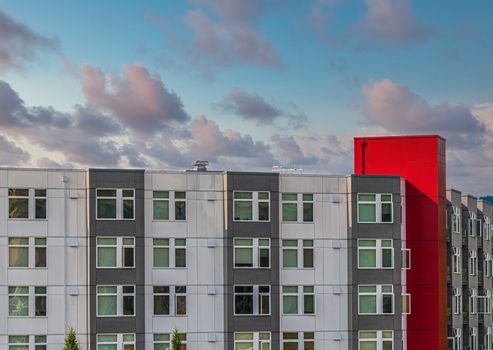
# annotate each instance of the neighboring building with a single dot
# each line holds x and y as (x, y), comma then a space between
(384, 259)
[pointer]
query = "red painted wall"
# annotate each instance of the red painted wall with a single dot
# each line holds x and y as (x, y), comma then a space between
(421, 161)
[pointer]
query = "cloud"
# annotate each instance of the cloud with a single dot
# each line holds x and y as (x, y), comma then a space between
(399, 110)
(391, 22)
(254, 107)
(45, 162)
(19, 44)
(322, 13)
(139, 101)
(11, 154)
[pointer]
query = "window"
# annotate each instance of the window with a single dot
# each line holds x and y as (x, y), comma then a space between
(18, 252)
(457, 339)
(297, 207)
(376, 340)
(298, 341)
(456, 220)
(252, 300)
(252, 341)
(472, 226)
(18, 301)
(298, 300)
(115, 204)
(473, 338)
(27, 203)
(457, 301)
(375, 208)
(162, 297)
(39, 252)
(181, 300)
(161, 342)
(375, 299)
(252, 252)
(19, 304)
(473, 262)
(487, 265)
(488, 338)
(406, 258)
(484, 303)
(293, 257)
(161, 300)
(456, 261)
(115, 301)
(40, 342)
(115, 341)
(473, 303)
(487, 228)
(251, 206)
(169, 204)
(375, 254)
(164, 247)
(406, 304)
(39, 301)
(115, 252)
(18, 342)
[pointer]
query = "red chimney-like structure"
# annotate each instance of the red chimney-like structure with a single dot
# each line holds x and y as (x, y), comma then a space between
(420, 160)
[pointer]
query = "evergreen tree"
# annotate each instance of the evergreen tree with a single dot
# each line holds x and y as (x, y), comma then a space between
(175, 340)
(71, 341)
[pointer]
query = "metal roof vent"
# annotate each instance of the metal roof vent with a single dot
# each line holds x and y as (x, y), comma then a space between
(201, 165)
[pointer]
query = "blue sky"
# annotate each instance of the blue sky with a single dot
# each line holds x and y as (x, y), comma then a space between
(245, 84)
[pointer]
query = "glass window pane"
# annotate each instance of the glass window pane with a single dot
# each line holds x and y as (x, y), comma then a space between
(289, 212)
(263, 211)
(106, 256)
(290, 258)
(290, 304)
(368, 345)
(128, 208)
(106, 208)
(128, 305)
(160, 194)
(308, 197)
(264, 258)
(388, 301)
(18, 208)
(243, 304)
(309, 304)
(308, 212)
(181, 305)
(161, 305)
(180, 257)
(180, 210)
(18, 305)
(244, 257)
(180, 195)
(20, 192)
(367, 304)
(161, 257)
(107, 347)
(386, 257)
(18, 257)
(366, 197)
(387, 345)
(127, 193)
(161, 210)
(367, 243)
(106, 193)
(40, 208)
(386, 197)
(243, 195)
(367, 212)
(308, 258)
(289, 197)
(263, 195)
(386, 212)
(107, 305)
(40, 305)
(128, 257)
(367, 258)
(243, 210)
(289, 243)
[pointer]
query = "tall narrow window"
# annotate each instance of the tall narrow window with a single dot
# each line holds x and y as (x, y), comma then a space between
(264, 300)
(161, 252)
(243, 300)
(180, 252)
(457, 301)
(473, 262)
(289, 253)
(308, 300)
(456, 220)
(128, 297)
(180, 206)
(128, 252)
(181, 300)
(289, 207)
(18, 252)
(160, 204)
(40, 204)
(307, 253)
(128, 199)
(40, 252)
(106, 204)
(18, 203)
(456, 261)
(106, 252)
(40, 301)
(107, 300)
(290, 300)
(264, 253)
(307, 207)
(263, 206)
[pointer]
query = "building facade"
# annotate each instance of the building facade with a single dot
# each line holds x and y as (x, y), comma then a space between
(384, 259)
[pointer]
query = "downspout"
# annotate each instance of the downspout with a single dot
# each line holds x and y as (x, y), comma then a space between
(65, 269)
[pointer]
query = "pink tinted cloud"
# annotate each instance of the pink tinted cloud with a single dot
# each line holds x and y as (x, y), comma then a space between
(140, 101)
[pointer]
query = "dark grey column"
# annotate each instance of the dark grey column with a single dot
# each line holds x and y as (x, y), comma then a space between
(374, 184)
(252, 182)
(115, 179)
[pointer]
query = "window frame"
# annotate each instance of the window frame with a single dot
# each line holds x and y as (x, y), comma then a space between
(172, 202)
(300, 295)
(172, 249)
(256, 248)
(378, 340)
(457, 300)
(473, 262)
(119, 299)
(180, 295)
(256, 299)
(378, 248)
(457, 260)
(255, 205)
(120, 247)
(120, 340)
(379, 295)
(119, 206)
(256, 340)
(378, 208)
(159, 341)
(300, 207)
(32, 295)
(32, 199)
(157, 294)
(19, 246)
(300, 253)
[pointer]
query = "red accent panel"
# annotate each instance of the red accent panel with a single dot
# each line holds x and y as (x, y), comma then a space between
(421, 161)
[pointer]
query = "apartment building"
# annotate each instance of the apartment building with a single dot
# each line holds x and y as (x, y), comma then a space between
(383, 259)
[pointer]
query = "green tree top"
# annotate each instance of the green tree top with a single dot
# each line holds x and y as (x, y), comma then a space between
(71, 341)
(175, 340)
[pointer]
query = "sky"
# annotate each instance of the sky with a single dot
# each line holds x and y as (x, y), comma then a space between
(246, 85)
